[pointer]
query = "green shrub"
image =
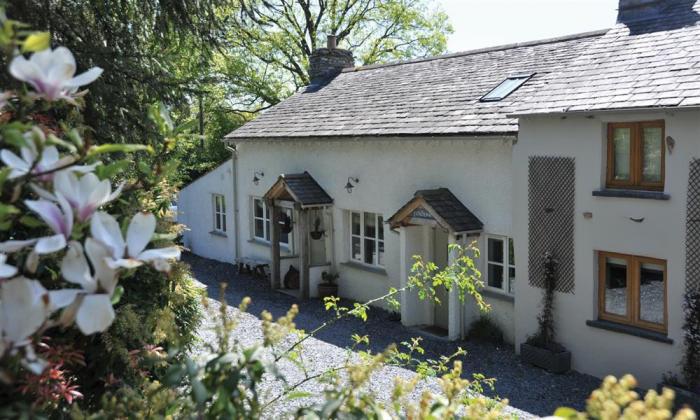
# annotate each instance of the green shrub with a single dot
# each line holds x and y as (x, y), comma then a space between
(485, 329)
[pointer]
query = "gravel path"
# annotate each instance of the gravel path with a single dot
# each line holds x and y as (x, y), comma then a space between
(530, 391)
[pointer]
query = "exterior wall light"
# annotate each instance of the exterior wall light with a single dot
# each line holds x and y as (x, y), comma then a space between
(352, 182)
(257, 176)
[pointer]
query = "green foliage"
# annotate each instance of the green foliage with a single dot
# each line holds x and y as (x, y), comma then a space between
(485, 329)
(544, 337)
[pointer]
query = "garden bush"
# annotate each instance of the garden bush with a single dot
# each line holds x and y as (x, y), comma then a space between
(485, 329)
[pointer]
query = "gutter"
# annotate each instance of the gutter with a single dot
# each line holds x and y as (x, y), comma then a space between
(234, 173)
(564, 112)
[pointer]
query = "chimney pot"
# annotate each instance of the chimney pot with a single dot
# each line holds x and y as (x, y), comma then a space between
(332, 42)
(326, 63)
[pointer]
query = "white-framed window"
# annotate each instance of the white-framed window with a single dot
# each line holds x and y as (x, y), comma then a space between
(219, 207)
(367, 238)
(261, 222)
(500, 263)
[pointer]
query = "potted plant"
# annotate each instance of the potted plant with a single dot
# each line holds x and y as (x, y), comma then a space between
(317, 233)
(541, 349)
(328, 286)
(687, 386)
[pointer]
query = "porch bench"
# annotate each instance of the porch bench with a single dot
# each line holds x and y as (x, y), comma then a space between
(254, 266)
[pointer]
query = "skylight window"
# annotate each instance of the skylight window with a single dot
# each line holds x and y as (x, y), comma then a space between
(506, 87)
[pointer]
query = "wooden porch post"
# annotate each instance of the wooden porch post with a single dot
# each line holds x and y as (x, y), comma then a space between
(304, 254)
(455, 328)
(275, 244)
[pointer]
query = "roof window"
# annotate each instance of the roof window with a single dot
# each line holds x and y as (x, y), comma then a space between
(506, 87)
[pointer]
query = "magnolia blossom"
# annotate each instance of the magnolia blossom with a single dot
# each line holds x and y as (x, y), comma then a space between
(6, 270)
(31, 159)
(85, 194)
(51, 73)
(131, 253)
(24, 306)
(91, 306)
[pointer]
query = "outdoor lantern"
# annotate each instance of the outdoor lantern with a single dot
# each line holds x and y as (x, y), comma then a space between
(257, 176)
(349, 186)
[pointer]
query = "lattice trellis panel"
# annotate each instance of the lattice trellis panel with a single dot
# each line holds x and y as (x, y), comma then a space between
(692, 228)
(551, 200)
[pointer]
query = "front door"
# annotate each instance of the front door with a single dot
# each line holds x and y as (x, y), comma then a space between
(442, 310)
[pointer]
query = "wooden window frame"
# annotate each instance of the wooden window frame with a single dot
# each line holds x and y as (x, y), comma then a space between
(219, 213)
(507, 264)
(634, 303)
(267, 215)
(636, 156)
(362, 237)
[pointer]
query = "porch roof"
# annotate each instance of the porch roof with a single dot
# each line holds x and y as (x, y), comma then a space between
(443, 206)
(301, 188)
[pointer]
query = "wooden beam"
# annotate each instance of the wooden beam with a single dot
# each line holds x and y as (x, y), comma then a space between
(275, 244)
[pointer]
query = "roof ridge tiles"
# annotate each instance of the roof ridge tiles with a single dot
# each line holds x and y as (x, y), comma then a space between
(495, 48)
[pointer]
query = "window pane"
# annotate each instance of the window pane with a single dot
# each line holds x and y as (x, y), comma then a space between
(380, 228)
(616, 286)
(370, 251)
(217, 223)
(511, 252)
(356, 223)
(223, 222)
(381, 253)
(267, 211)
(258, 208)
(267, 229)
(217, 208)
(511, 280)
(651, 293)
(621, 154)
(356, 249)
(652, 145)
(495, 248)
(495, 276)
(284, 238)
(370, 225)
(259, 230)
(223, 204)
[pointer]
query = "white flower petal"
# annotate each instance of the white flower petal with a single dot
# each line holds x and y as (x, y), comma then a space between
(42, 193)
(19, 166)
(140, 232)
(84, 78)
(62, 298)
(99, 255)
(105, 229)
(25, 307)
(50, 244)
(16, 245)
(95, 314)
(123, 263)
(169, 253)
(49, 213)
(24, 70)
(75, 268)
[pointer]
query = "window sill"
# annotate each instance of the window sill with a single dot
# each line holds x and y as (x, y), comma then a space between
(497, 294)
(649, 195)
(260, 242)
(217, 233)
(369, 269)
(628, 329)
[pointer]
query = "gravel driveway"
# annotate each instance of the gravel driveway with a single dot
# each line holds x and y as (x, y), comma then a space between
(528, 389)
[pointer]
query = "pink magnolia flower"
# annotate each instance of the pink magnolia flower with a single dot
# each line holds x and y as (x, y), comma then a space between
(59, 219)
(52, 73)
(131, 253)
(85, 194)
(24, 306)
(6, 270)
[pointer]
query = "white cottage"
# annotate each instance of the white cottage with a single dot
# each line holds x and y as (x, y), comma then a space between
(577, 145)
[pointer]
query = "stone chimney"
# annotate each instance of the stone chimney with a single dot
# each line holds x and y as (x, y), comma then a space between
(631, 10)
(326, 63)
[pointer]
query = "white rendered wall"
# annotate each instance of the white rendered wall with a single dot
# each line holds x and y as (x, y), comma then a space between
(476, 170)
(196, 211)
(660, 235)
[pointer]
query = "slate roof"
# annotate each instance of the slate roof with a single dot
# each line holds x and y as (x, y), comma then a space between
(436, 96)
(649, 63)
(448, 207)
(451, 210)
(305, 189)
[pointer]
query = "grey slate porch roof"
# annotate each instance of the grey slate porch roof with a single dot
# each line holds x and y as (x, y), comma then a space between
(436, 96)
(649, 63)
(451, 212)
(302, 187)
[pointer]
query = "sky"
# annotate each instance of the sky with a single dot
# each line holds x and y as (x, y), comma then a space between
(486, 23)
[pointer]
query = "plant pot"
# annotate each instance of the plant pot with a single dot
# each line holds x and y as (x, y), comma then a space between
(316, 234)
(326, 290)
(683, 397)
(551, 361)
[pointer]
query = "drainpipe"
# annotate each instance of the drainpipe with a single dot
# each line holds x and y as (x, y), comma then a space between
(234, 173)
